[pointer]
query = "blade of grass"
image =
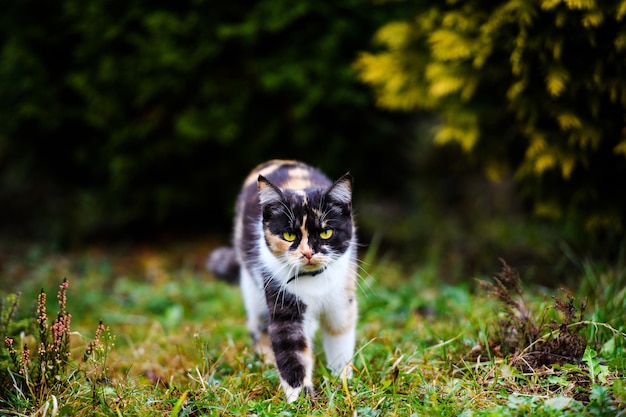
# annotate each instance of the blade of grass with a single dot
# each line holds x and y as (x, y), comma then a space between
(179, 404)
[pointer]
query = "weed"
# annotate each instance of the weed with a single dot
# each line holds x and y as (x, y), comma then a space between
(552, 353)
(37, 372)
(533, 343)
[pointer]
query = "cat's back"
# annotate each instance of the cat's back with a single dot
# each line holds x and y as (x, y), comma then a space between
(286, 174)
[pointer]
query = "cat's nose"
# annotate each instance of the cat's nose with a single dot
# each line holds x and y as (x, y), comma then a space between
(307, 253)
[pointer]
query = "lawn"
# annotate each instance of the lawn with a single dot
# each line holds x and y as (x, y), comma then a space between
(173, 342)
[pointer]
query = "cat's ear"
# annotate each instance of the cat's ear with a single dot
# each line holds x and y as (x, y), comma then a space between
(268, 192)
(341, 190)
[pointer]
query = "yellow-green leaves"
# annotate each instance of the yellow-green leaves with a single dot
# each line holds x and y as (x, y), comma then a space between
(423, 61)
(462, 128)
(395, 35)
(390, 72)
(620, 148)
(556, 80)
(549, 74)
(621, 10)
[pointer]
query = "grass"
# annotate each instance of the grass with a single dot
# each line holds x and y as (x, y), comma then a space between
(174, 342)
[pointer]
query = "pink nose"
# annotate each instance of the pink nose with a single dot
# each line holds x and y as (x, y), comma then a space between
(307, 254)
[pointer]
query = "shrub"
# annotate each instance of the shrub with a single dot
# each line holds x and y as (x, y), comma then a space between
(532, 89)
(129, 116)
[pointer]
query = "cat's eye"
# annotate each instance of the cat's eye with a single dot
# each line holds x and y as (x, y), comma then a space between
(289, 237)
(326, 234)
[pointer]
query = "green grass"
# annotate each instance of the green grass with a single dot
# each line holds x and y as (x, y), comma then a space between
(176, 344)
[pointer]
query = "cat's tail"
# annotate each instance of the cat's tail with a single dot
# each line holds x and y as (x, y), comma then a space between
(222, 263)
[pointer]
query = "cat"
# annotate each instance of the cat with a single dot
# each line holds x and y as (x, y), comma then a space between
(295, 256)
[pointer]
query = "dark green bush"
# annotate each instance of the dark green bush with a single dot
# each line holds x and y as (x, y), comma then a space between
(133, 116)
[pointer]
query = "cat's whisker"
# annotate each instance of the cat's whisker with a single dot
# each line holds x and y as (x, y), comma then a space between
(324, 212)
(295, 272)
(282, 285)
(296, 282)
(365, 289)
(359, 266)
(288, 211)
(363, 277)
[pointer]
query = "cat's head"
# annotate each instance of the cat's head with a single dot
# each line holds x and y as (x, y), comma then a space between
(307, 229)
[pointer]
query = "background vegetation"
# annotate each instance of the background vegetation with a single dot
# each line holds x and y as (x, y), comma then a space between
(125, 117)
(530, 89)
(475, 130)
(126, 120)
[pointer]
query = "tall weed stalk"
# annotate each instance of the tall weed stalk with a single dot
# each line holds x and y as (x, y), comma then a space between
(36, 367)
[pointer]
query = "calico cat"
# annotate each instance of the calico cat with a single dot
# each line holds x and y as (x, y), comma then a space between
(295, 254)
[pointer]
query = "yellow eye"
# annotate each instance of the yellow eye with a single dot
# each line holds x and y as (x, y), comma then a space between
(326, 234)
(289, 237)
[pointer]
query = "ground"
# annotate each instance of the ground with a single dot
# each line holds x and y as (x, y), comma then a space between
(174, 342)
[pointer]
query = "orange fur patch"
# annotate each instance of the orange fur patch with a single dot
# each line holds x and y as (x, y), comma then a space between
(299, 179)
(266, 169)
(346, 325)
(277, 245)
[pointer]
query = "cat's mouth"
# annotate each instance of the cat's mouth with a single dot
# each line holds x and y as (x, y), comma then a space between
(307, 273)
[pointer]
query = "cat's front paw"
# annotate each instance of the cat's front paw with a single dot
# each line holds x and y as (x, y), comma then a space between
(292, 394)
(342, 371)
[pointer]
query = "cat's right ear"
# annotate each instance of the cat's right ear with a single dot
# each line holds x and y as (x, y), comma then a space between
(341, 190)
(268, 192)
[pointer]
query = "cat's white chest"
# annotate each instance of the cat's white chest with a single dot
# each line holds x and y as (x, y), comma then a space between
(315, 291)
(325, 287)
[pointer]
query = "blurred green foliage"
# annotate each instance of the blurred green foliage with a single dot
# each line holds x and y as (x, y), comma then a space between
(131, 116)
(132, 119)
(535, 90)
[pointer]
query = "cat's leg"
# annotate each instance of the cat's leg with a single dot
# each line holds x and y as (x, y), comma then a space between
(258, 317)
(339, 348)
(339, 333)
(294, 358)
(290, 342)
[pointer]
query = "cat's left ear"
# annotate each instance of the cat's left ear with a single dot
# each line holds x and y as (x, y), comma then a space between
(341, 190)
(268, 192)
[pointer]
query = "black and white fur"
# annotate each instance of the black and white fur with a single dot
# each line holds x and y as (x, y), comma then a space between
(293, 286)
